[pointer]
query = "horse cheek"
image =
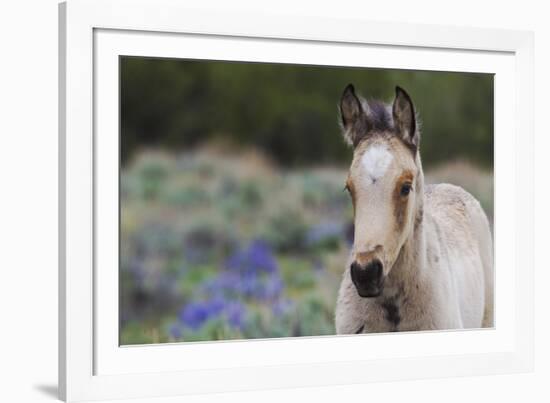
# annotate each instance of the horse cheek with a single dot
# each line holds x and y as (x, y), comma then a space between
(400, 211)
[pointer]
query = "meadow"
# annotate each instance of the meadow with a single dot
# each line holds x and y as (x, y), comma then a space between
(220, 243)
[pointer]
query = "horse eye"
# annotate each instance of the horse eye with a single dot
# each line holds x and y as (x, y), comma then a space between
(406, 189)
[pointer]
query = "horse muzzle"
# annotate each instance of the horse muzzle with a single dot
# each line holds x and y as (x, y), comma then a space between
(368, 280)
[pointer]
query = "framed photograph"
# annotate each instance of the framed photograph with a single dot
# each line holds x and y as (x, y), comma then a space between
(256, 201)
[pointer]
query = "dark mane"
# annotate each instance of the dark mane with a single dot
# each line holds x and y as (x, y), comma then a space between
(379, 116)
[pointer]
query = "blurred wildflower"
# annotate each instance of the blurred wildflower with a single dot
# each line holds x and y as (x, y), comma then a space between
(215, 306)
(235, 313)
(261, 257)
(251, 272)
(175, 330)
(269, 287)
(258, 256)
(194, 314)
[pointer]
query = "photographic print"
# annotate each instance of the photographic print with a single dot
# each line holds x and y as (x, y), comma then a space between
(262, 200)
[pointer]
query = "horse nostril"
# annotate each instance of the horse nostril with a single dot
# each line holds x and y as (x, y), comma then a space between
(373, 270)
(374, 267)
(355, 266)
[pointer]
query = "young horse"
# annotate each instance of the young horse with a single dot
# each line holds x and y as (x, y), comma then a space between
(422, 256)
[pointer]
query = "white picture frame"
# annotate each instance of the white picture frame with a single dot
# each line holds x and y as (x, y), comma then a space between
(94, 33)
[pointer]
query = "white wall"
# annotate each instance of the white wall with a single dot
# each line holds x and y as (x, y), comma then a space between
(28, 200)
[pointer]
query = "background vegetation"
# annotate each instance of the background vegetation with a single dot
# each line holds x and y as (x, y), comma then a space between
(233, 219)
(290, 111)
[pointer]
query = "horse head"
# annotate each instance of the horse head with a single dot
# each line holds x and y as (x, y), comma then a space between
(385, 182)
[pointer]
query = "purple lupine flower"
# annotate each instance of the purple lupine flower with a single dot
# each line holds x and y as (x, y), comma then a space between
(256, 257)
(233, 282)
(248, 284)
(260, 257)
(226, 283)
(215, 306)
(251, 273)
(194, 314)
(236, 261)
(235, 313)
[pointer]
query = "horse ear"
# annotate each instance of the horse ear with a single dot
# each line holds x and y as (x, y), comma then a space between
(404, 118)
(352, 115)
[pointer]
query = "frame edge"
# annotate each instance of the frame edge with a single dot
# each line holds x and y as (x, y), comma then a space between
(62, 112)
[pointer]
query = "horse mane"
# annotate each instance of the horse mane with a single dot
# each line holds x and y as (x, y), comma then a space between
(379, 115)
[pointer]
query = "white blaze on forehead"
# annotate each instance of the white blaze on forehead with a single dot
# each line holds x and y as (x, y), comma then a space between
(376, 161)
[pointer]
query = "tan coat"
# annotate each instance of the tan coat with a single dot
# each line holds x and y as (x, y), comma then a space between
(443, 278)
